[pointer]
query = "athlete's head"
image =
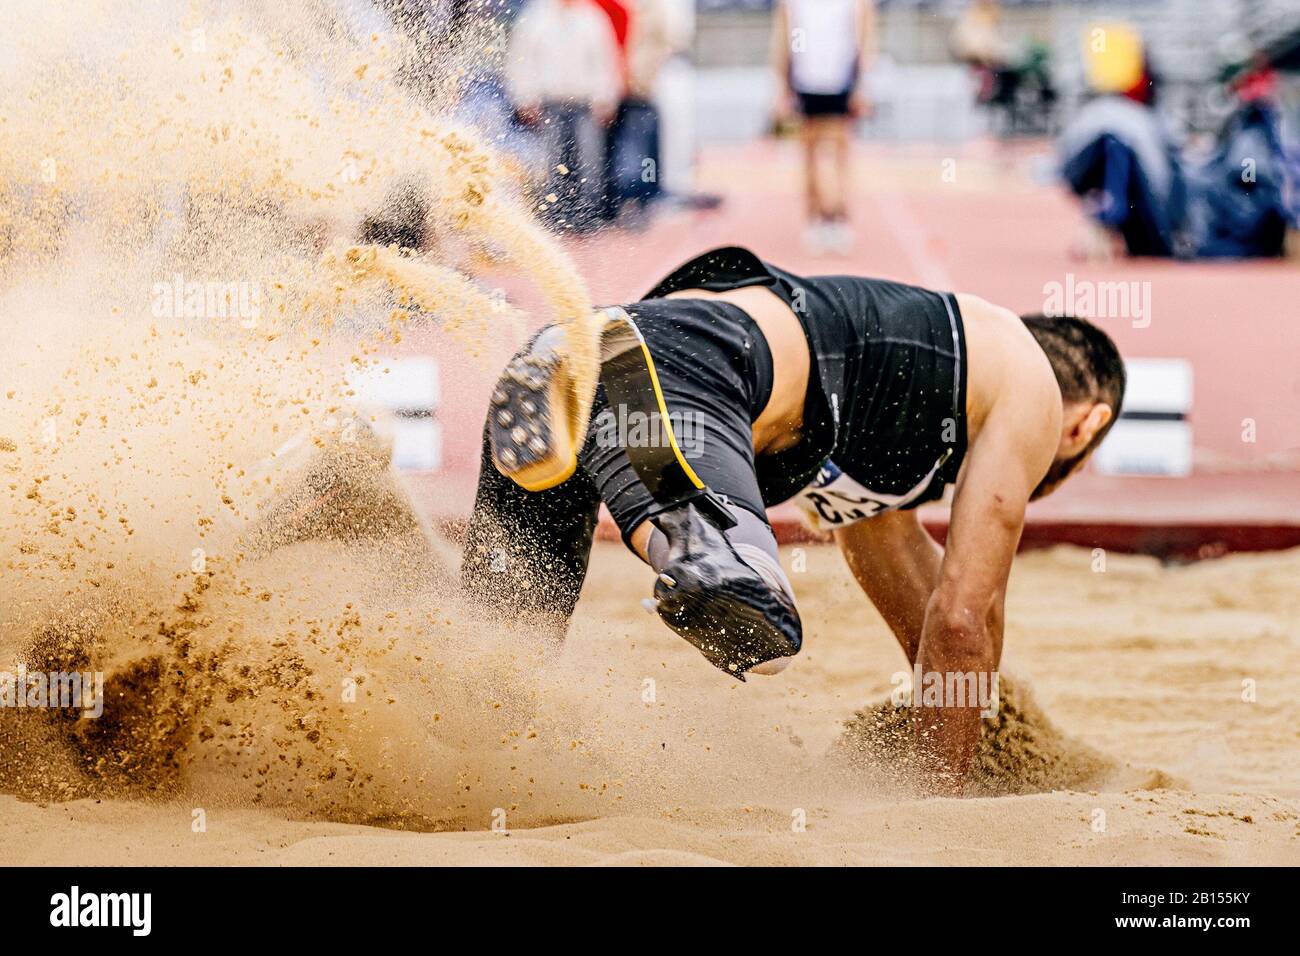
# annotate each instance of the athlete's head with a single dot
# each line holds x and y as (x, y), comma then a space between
(1090, 372)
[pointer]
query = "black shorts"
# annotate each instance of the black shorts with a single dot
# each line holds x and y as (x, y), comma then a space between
(715, 371)
(824, 104)
(526, 552)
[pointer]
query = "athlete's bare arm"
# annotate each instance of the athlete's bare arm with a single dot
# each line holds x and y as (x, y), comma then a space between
(945, 606)
(1014, 418)
(962, 633)
(896, 563)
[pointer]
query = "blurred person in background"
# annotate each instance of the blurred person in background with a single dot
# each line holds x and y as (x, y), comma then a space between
(651, 34)
(820, 51)
(977, 37)
(564, 79)
(674, 98)
(1143, 195)
(1014, 80)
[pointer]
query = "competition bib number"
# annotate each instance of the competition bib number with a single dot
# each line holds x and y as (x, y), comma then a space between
(834, 500)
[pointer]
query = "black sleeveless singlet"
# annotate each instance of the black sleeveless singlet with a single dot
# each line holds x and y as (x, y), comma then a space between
(885, 417)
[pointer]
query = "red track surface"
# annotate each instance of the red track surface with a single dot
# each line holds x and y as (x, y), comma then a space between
(997, 234)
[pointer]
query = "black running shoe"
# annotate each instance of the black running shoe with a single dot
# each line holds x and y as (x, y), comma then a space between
(711, 597)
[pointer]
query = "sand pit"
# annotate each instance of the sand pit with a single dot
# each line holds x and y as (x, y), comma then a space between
(581, 759)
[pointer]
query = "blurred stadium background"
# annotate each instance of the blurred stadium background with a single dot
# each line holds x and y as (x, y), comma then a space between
(1221, 388)
(922, 94)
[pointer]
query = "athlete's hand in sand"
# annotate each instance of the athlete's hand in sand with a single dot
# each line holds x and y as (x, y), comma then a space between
(961, 636)
(945, 606)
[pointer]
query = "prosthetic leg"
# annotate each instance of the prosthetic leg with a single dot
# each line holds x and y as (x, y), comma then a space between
(726, 596)
(738, 611)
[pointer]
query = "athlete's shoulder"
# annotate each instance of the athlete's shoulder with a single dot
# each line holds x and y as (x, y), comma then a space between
(1005, 333)
(1009, 372)
(982, 310)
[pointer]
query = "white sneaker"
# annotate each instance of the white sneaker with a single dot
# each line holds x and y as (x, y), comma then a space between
(839, 237)
(815, 237)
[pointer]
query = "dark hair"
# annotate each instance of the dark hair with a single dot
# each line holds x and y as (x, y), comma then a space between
(1088, 368)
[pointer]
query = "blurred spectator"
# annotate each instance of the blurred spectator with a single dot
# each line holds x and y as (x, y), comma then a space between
(651, 35)
(977, 37)
(619, 14)
(1015, 82)
(1117, 61)
(1144, 196)
(563, 77)
(1121, 159)
(820, 49)
(674, 97)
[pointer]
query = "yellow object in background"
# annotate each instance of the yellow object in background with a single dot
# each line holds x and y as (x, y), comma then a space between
(1112, 57)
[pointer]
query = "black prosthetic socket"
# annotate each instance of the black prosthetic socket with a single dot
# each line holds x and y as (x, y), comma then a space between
(709, 595)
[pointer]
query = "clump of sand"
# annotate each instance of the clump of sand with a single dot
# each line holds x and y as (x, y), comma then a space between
(1020, 749)
(253, 685)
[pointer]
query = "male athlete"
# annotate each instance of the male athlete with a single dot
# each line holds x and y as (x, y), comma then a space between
(857, 398)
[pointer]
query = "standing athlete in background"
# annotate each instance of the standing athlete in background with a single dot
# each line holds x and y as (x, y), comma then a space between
(857, 398)
(821, 49)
